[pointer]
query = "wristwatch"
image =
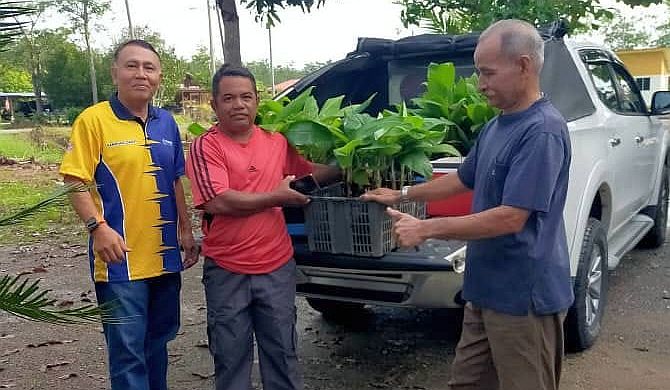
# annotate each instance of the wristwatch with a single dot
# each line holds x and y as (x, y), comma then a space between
(404, 193)
(93, 223)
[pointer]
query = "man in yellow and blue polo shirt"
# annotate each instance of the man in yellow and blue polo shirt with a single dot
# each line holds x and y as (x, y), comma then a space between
(131, 154)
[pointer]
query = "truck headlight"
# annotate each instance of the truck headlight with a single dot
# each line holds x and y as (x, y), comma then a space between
(457, 260)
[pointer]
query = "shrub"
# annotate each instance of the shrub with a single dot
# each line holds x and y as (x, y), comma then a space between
(71, 113)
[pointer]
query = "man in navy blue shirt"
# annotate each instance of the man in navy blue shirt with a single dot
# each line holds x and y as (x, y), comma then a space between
(517, 279)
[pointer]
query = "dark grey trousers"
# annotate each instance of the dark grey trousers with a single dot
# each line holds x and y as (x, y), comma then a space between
(239, 306)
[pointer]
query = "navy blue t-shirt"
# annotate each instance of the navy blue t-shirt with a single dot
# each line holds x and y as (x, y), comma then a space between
(521, 160)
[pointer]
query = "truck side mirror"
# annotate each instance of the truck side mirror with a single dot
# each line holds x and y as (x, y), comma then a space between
(660, 102)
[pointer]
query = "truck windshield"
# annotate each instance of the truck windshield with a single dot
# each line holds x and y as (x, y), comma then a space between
(407, 76)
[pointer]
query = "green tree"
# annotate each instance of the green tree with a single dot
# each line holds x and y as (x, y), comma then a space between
(14, 80)
(663, 40)
(624, 33)
(459, 16)
(66, 79)
(174, 71)
(103, 75)
(45, 48)
(67, 72)
(39, 53)
(264, 10)
(82, 14)
(261, 70)
(198, 67)
(31, 49)
(313, 66)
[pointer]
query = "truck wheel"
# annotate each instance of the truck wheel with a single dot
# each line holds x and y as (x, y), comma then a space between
(335, 309)
(584, 318)
(656, 236)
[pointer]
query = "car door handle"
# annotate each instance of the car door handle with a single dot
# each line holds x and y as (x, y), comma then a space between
(639, 139)
(616, 141)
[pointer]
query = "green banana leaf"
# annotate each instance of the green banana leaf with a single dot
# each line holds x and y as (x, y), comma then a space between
(196, 129)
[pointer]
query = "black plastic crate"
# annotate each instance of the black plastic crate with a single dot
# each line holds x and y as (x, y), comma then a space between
(336, 224)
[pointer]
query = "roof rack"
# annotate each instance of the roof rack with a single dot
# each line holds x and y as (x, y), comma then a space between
(430, 44)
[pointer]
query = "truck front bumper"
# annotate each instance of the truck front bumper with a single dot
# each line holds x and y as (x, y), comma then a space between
(429, 276)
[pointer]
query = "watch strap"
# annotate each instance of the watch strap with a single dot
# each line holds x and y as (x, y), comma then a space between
(94, 223)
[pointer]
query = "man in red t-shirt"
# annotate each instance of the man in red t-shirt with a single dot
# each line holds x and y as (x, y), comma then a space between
(240, 176)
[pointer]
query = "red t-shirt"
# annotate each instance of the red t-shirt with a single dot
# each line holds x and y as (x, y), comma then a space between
(258, 243)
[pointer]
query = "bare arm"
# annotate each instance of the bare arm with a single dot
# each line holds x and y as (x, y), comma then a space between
(81, 200)
(182, 211)
(240, 204)
(490, 223)
(441, 188)
(186, 240)
(106, 241)
(498, 221)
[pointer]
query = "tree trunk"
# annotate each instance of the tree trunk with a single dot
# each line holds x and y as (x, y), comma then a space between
(231, 31)
(36, 75)
(91, 64)
(37, 90)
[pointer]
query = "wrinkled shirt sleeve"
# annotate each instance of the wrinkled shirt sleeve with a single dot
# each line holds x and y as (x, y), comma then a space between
(533, 173)
(206, 169)
(466, 171)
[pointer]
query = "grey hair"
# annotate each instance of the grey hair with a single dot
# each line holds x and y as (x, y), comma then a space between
(517, 38)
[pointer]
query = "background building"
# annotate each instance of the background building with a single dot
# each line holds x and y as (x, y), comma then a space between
(650, 67)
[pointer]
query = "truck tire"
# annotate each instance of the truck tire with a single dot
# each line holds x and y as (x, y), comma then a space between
(584, 318)
(335, 309)
(656, 236)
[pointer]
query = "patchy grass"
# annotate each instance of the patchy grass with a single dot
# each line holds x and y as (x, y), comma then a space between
(21, 187)
(25, 184)
(46, 147)
(58, 132)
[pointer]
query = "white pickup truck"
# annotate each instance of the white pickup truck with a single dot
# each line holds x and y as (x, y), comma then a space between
(617, 197)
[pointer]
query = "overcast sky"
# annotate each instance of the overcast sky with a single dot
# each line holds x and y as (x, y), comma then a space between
(325, 34)
(328, 33)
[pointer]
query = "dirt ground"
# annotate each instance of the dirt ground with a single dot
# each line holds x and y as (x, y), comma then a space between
(385, 349)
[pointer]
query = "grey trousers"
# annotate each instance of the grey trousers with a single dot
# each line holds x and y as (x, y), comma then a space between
(503, 352)
(239, 306)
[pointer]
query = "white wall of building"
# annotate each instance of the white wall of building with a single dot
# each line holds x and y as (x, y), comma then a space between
(656, 83)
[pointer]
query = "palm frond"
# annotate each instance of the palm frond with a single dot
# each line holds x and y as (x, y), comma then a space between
(10, 23)
(25, 299)
(453, 21)
(54, 199)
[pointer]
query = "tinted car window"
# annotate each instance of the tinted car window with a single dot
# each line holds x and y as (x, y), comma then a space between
(406, 77)
(605, 86)
(630, 100)
(661, 100)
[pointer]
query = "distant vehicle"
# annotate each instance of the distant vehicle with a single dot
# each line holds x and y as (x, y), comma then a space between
(617, 197)
(28, 108)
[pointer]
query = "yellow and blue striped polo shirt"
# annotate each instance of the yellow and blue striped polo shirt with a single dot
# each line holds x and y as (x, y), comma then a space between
(133, 167)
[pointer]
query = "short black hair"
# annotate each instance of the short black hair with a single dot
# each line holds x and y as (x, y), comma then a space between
(228, 70)
(135, 42)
